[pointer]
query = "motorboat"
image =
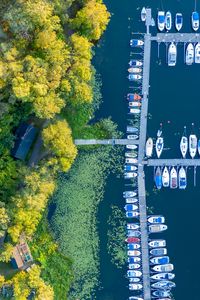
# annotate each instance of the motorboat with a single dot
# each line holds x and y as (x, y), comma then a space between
(134, 97)
(132, 226)
(135, 63)
(134, 104)
(149, 147)
(184, 143)
(157, 228)
(158, 178)
(165, 284)
(158, 251)
(173, 178)
(130, 168)
(131, 200)
(129, 175)
(129, 194)
(143, 14)
(182, 178)
(159, 143)
(131, 154)
(133, 77)
(132, 147)
(132, 136)
(134, 110)
(133, 246)
(195, 20)
(172, 55)
(135, 298)
(162, 293)
(133, 233)
(130, 207)
(157, 243)
(131, 129)
(136, 43)
(163, 268)
(135, 286)
(134, 266)
(168, 21)
(161, 20)
(132, 214)
(165, 177)
(192, 145)
(132, 240)
(134, 70)
(189, 55)
(134, 279)
(160, 260)
(132, 259)
(197, 54)
(131, 273)
(198, 147)
(133, 253)
(156, 219)
(178, 21)
(131, 161)
(163, 276)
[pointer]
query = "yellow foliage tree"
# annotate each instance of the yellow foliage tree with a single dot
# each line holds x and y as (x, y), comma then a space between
(57, 138)
(6, 252)
(81, 47)
(21, 87)
(21, 289)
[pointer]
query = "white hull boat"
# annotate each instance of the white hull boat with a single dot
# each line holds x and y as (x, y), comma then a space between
(163, 276)
(157, 228)
(132, 147)
(130, 168)
(161, 20)
(184, 144)
(133, 259)
(135, 63)
(129, 207)
(158, 251)
(157, 243)
(133, 253)
(189, 55)
(156, 220)
(159, 260)
(149, 147)
(143, 14)
(129, 194)
(178, 21)
(182, 178)
(133, 77)
(165, 284)
(159, 146)
(197, 54)
(195, 20)
(172, 55)
(134, 104)
(128, 175)
(132, 214)
(134, 266)
(131, 200)
(134, 279)
(168, 21)
(131, 273)
(132, 136)
(163, 268)
(131, 129)
(131, 161)
(134, 70)
(135, 286)
(192, 145)
(173, 178)
(131, 154)
(165, 177)
(136, 43)
(134, 110)
(132, 226)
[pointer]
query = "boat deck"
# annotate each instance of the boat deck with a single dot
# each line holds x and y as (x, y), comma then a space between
(124, 142)
(172, 162)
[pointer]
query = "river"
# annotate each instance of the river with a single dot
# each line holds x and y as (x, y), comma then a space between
(174, 101)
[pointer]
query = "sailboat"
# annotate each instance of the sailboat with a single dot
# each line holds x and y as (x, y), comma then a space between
(192, 145)
(159, 143)
(182, 178)
(143, 14)
(149, 147)
(165, 177)
(184, 143)
(189, 56)
(197, 54)
(173, 178)
(195, 20)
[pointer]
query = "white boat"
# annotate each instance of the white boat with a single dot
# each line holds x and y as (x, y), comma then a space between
(156, 219)
(133, 77)
(178, 21)
(134, 279)
(192, 145)
(165, 177)
(189, 55)
(134, 266)
(132, 147)
(198, 146)
(131, 273)
(129, 194)
(163, 268)
(131, 161)
(159, 260)
(161, 20)
(132, 214)
(133, 246)
(135, 63)
(130, 168)
(165, 284)
(136, 43)
(163, 276)
(184, 144)
(173, 178)
(162, 293)
(132, 136)
(197, 54)
(136, 298)
(128, 175)
(131, 129)
(131, 200)
(172, 55)
(157, 243)
(131, 154)
(135, 286)
(134, 110)
(132, 226)
(158, 251)
(133, 253)
(129, 207)
(132, 259)
(134, 104)
(182, 178)
(149, 147)
(159, 146)
(143, 14)
(195, 20)
(168, 21)
(134, 70)
(157, 228)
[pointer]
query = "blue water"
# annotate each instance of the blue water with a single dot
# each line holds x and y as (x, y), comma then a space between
(175, 102)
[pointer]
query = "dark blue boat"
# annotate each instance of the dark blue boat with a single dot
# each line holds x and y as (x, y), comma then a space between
(158, 178)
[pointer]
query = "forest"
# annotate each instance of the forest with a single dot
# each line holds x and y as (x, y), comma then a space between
(46, 80)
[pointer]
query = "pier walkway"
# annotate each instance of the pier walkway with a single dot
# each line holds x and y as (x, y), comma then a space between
(172, 162)
(106, 142)
(176, 37)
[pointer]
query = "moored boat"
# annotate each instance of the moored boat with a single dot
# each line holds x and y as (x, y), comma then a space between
(157, 243)
(133, 233)
(132, 259)
(165, 284)
(195, 20)
(197, 54)
(160, 260)
(135, 286)
(164, 293)
(192, 145)
(163, 276)
(158, 178)
(172, 55)
(134, 70)
(161, 20)
(134, 104)
(129, 207)
(163, 268)
(131, 154)
(136, 43)
(178, 21)
(130, 168)
(132, 136)
(189, 55)
(131, 129)
(135, 63)
(156, 219)
(131, 200)
(134, 110)
(132, 226)
(133, 97)
(132, 147)
(159, 143)
(198, 146)
(129, 194)
(134, 279)
(131, 161)
(182, 178)
(158, 251)
(132, 214)
(143, 14)
(133, 246)
(131, 273)
(136, 298)
(165, 177)
(157, 228)
(133, 253)
(135, 77)
(134, 266)
(129, 175)
(149, 147)
(132, 240)
(173, 178)
(168, 21)
(184, 143)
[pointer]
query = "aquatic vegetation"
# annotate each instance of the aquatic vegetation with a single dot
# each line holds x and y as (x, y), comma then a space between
(116, 237)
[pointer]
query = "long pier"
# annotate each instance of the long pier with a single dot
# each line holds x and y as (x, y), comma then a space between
(175, 162)
(124, 142)
(176, 37)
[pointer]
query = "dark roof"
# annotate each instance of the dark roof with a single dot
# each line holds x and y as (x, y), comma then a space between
(25, 135)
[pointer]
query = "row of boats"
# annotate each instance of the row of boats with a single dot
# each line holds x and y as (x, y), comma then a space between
(165, 20)
(172, 178)
(192, 54)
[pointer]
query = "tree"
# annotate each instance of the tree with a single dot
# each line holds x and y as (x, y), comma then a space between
(6, 252)
(81, 47)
